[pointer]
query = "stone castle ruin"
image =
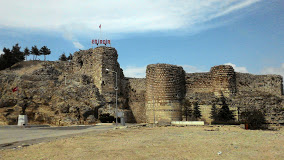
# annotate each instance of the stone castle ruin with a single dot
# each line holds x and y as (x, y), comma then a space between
(82, 90)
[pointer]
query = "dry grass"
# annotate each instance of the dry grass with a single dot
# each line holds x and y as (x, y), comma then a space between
(160, 143)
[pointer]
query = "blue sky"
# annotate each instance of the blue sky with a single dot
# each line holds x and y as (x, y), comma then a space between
(195, 34)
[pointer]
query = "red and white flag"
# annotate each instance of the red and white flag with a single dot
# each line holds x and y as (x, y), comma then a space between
(100, 26)
(15, 89)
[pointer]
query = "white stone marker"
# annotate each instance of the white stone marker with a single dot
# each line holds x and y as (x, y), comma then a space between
(22, 120)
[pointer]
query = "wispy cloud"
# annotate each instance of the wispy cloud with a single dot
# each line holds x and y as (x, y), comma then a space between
(237, 68)
(122, 16)
(274, 70)
(136, 72)
(78, 45)
(193, 69)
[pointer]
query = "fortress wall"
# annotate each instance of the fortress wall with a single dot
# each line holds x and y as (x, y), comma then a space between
(271, 84)
(165, 89)
(89, 62)
(110, 56)
(94, 62)
(198, 82)
(223, 80)
(136, 95)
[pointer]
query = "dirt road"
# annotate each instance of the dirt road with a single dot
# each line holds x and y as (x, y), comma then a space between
(14, 136)
(203, 142)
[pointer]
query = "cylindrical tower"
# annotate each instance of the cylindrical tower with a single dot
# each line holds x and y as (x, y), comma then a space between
(223, 80)
(165, 89)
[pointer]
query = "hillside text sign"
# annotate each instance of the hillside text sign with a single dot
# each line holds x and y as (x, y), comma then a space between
(99, 41)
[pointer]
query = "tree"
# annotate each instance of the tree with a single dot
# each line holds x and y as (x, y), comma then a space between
(63, 57)
(187, 109)
(10, 57)
(44, 51)
(214, 113)
(225, 114)
(254, 118)
(196, 111)
(35, 52)
(27, 53)
(18, 55)
(70, 57)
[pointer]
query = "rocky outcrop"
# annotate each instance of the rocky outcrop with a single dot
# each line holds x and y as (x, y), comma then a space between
(46, 95)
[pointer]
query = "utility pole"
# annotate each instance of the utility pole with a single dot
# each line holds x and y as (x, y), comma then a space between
(116, 89)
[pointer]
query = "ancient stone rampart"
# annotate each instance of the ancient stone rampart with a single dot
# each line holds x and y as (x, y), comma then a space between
(223, 80)
(198, 82)
(136, 98)
(95, 62)
(165, 89)
(270, 84)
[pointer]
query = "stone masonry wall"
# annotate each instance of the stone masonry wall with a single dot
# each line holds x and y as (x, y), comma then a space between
(94, 63)
(198, 82)
(136, 101)
(165, 89)
(223, 80)
(270, 84)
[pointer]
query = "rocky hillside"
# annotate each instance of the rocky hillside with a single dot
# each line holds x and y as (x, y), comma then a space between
(48, 92)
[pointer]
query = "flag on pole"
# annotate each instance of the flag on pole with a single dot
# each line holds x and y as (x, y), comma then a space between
(100, 26)
(15, 89)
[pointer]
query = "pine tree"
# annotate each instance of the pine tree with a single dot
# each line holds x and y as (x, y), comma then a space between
(70, 57)
(187, 110)
(214, 113)
(196, 111)
(225, 114)
(27, 53)
(10, 57)
(44, 51)
(18, 55)
(63, 57)
(35, 51)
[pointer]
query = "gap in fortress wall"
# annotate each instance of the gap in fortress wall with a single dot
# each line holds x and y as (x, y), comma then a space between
(82, 91)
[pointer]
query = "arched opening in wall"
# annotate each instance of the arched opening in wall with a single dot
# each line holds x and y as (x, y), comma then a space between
(106, 118)
(103, 83)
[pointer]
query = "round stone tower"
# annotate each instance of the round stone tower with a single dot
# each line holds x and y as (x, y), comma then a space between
(223, 80)
(164, 92)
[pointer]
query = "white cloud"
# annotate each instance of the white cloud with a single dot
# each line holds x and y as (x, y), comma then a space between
(78, 45)
(140, 72)
(192, 69)
(123, 16)
(1, 52)
(135, 72)
(273, 70)
(238, 69)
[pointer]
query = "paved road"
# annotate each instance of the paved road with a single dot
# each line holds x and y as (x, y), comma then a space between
(11, 136)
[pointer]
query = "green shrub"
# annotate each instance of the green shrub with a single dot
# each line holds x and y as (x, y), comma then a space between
(254, 118)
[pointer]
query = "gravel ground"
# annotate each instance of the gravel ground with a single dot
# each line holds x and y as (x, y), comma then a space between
(194, 142)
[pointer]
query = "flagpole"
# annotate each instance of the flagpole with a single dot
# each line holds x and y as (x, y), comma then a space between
(100, 31)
